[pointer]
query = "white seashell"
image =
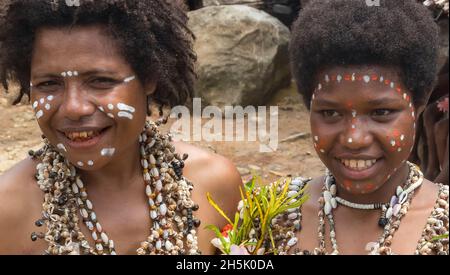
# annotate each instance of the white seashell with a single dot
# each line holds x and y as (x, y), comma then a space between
(158, 185)
(159, 198)
(84, 213)
(89, 204)
(79, 183)
(168, 245)
(94, 236)
(153, 214)
(147, 177)
(163, 209)
(90, 226)
(154, 172)
(328, 182)
(152, 159)
(389, 213)
(148, 190)
(333, 203)
(99, 247)
(398, 191)
(190, 238)
(151, 202)
(327, 195)
(327, 208)
(104, 238)
(158, 244)
(75, 188)
(292, 241)
(292, 216)
(396, 209)
(333, 190)
(144, 163)
(294, 187)
(99, 227)
(111, 244)
(93, 216)
(292, 194)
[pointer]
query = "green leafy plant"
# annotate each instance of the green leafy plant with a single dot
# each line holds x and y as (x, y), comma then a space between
(259, 205)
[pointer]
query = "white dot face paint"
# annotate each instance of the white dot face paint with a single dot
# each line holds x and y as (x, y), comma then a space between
(110, 115)
(392, 85)
(350, 140)
(319, 87)
(101, 109)
(39, 114)
(366, 78)
(90, 163)
(354, 113)
(63, 74)
(393, 143)
(50, 98)
(327, 78)
(42, 100)
(399, 149)
(107, 152)
(381, 78)
(353, 77)
(47, 106)
(322, 151)
(80, 164)
(35, 104)
(402, 137)
(61, 147)
(339, 78)
(125, 114)
(110, 106)
(316, 138)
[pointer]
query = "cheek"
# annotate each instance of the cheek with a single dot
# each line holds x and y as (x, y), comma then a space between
(322, 136)
(400, 137)
(44, 107)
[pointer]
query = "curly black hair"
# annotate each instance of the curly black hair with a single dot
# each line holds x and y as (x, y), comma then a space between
(397, 33)
(152, 36)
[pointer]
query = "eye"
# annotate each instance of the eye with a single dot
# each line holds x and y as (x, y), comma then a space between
(382, 112)
(48, 86)
(103, 82)
(330, 113)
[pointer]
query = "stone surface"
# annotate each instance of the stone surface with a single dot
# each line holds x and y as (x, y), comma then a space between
(242, 55)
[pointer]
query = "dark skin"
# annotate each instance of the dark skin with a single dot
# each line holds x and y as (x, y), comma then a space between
(115, 184)
(370, 114)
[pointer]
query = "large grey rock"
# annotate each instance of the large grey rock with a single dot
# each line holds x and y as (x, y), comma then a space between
(242, 55)
(259, 4)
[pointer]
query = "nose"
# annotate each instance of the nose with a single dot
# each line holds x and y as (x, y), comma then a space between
(76, 103)
(356, 135)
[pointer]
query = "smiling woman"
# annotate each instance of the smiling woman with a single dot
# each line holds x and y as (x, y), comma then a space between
(365, 73)
(90, 71)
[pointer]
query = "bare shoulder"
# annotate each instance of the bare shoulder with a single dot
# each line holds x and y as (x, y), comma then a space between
(20, 202)
(208, 169)
(426, 195)
(216, 175)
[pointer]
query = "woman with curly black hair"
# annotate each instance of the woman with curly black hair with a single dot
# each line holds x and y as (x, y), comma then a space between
(365, 73)
(105, 181)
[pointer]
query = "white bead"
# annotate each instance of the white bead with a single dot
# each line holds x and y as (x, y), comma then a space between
(154, 172)
(75, 188)
(148, 190)
(94, 236)
(152, 159)
(158, 244)
(159, 198)
(79, 183)
(147, 177)
(153, 214)
(104, 238)
(158, 185)
(99, 227)
(89, 204)
(168, 245)
(163, 209)
(90, 226)
(84, 213)
(144, 163)
(151, 202)
(93, 216)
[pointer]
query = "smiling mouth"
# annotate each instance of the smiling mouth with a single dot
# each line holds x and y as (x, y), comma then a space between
(358, 164)
(82, 136)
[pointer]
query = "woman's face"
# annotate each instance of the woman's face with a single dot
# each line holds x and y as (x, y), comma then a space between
(363, 125)
(87, 99)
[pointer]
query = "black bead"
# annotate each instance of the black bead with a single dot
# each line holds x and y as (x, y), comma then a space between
(382, 222)
(53, 175)
(306, 252)
(39, 223)
(34, 236)
(195, 207)
(31, 153)
(197, 223)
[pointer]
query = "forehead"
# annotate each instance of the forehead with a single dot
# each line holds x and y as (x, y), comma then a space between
(59, 49)
(358, 83)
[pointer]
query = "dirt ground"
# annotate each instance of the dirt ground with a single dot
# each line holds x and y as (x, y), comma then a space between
(294, 157)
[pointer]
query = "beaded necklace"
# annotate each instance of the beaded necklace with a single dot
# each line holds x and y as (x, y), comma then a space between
(169, 196)
(396, 209)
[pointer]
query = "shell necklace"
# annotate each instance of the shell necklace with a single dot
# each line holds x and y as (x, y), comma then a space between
(168, 192)
(392, 212)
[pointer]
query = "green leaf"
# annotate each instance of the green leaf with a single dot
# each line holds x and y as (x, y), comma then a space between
(211, 201)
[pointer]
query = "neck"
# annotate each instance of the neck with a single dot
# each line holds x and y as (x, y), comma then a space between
(119, 173)
(382, 194)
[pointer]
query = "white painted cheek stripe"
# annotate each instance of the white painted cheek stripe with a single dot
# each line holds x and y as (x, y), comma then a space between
(125, 114)
(129, 79)
(125, 107)
(39, 114)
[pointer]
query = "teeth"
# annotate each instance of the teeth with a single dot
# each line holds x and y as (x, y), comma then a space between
(81, 135)
(358, 164)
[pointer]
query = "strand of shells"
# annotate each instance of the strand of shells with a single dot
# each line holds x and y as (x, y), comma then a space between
(169, 195)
